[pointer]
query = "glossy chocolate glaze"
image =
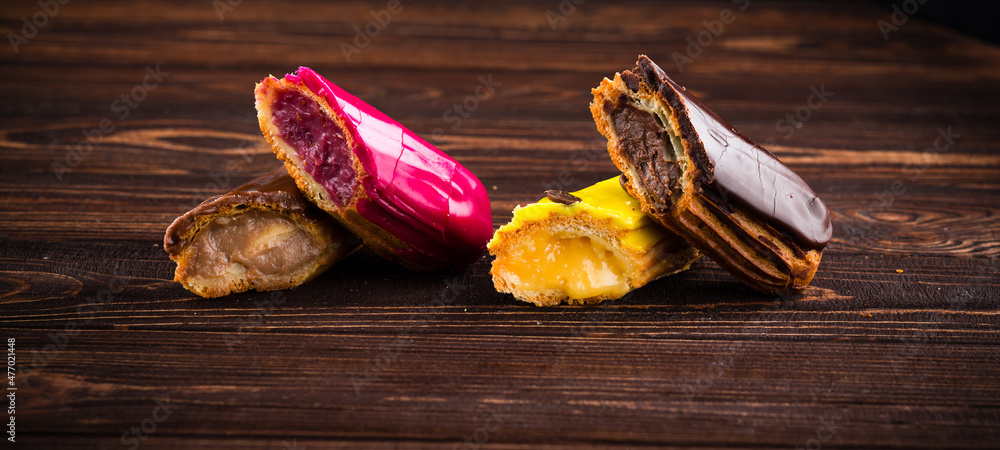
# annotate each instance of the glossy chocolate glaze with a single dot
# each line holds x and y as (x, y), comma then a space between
(740, 170)
(275, 189)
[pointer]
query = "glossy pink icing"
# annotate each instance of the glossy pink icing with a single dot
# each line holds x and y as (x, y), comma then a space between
(418, 193)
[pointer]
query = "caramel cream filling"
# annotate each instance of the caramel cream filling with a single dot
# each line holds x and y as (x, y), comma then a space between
(253, 245)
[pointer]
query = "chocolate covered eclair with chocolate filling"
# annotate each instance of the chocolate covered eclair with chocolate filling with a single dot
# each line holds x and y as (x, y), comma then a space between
(701, 178)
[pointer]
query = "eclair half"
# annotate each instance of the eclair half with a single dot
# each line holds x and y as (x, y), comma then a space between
(592, 245)
(410, 202)
(263, 235)
(700, 177)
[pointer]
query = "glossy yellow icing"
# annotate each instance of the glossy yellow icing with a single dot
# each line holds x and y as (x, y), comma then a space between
(603, 200)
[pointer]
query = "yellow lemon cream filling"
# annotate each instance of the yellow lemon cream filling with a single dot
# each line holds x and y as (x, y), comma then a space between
(568, 259)
(579, 266)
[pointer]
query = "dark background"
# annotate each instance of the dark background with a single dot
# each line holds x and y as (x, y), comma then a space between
(973, 17)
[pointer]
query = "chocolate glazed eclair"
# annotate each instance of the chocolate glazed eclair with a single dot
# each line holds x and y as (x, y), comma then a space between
(263, 235)
(704, 180)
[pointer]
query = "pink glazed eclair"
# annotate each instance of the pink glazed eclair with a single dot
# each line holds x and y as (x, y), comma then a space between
(408, 201)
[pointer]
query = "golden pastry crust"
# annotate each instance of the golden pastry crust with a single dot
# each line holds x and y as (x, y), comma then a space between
(208, 243)
(642, 109)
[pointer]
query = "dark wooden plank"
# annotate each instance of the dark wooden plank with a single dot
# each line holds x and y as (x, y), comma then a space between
(429, 386)
(894, 345)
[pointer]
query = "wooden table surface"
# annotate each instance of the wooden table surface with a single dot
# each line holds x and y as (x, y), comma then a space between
(119, 116)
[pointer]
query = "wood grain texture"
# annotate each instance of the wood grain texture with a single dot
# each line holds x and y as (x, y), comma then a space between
(895, 344)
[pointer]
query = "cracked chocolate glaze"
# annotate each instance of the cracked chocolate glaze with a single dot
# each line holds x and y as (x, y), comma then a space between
(276, 189)
(740, 170)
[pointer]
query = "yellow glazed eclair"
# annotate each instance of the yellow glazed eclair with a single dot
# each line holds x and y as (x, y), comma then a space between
(585, 247)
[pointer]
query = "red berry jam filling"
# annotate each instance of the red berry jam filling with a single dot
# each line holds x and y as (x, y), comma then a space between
(318, 141)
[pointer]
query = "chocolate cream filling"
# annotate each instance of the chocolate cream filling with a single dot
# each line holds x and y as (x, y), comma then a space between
(318, 141)
(256, 242)
(642, 135)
